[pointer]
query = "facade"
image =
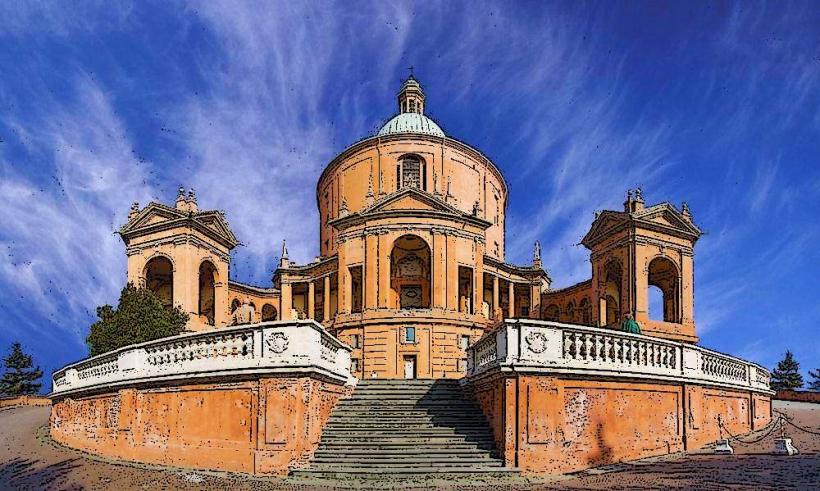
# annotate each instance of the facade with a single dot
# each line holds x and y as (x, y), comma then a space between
(411, 282)
(412, 265)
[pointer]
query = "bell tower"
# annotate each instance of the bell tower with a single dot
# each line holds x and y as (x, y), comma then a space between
(182, 254)
(639, 248)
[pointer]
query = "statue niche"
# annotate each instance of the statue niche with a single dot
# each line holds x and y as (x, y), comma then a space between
(410, 273)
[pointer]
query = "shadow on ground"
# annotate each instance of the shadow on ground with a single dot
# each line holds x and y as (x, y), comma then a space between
(33, 474)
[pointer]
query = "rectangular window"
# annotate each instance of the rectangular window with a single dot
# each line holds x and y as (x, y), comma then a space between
(465, 342)
(355, 341)
(356, 289)
(410, 335)
(354, 365)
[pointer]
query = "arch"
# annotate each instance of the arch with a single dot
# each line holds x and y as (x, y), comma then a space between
(612, 292)
(410, 275)
(569, 311)
(207, 291)
(411, 172)
(235, 304)
(552, 313)
(159, 278)
(586, 311)
(663, 274)
(269, 313)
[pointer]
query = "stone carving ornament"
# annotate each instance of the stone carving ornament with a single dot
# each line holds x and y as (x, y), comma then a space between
(536, 342)
(278, 342)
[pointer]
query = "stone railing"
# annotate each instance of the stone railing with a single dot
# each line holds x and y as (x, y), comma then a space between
(524, 345)
(270, 347)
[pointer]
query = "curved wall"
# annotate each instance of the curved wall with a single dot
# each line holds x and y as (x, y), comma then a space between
(372, 162)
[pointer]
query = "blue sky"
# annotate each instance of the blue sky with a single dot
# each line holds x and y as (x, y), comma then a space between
(716, 104)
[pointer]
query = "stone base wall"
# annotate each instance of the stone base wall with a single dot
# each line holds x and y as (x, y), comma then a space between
(24, 401)
(795, 395)
(264, 426)
(547, 424)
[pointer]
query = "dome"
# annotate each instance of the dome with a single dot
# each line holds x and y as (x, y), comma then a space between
(411, 122)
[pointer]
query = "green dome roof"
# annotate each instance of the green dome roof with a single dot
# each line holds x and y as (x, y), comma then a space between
(411, 122)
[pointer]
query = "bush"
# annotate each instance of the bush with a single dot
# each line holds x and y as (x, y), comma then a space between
(139, 317)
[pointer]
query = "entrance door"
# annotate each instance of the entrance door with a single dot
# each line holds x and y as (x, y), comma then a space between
(409, 367)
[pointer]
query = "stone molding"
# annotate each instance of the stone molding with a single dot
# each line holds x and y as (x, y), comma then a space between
(532, 346)
(280, 347)
(177, 240)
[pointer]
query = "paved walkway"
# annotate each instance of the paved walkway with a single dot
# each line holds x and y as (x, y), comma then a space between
(28, 460)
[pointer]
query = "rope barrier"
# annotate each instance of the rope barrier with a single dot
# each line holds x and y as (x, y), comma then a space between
(772, 423)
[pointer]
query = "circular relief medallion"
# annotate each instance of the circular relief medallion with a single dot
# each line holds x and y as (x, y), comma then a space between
(536, 341)
(278, 342)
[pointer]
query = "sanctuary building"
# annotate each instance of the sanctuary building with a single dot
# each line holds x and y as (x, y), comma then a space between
(410, 345)
(412, 267)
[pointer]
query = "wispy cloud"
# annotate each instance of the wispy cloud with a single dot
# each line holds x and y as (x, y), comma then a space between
(60, 254)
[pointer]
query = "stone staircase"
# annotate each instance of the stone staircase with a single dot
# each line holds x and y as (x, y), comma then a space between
(405, 427)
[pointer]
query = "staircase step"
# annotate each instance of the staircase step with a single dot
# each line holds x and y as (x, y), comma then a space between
(406, 427)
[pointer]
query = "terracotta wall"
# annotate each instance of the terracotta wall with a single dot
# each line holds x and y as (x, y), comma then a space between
(24, 401)
(546, 424)
(793, 395)
(263, 426)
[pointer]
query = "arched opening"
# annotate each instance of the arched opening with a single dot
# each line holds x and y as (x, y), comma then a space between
(159, 278)
(569, 313)
(586, 312)
(663, 276)
(235, 305)
(410, 272)
(269, 313)
(612, 293)
(552, 313)
(411, 172)
(207, 291)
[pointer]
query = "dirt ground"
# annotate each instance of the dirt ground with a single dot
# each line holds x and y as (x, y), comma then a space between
(29, 460)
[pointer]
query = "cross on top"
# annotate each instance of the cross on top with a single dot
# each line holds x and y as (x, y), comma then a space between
(411, 68)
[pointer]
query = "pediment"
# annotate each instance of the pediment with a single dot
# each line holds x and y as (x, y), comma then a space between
(665, 215)
(152, 214)
(411, 199)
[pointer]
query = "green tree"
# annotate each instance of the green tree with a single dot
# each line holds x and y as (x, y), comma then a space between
(787, 376)
(814, 384)
(20, 377)
(139, 317)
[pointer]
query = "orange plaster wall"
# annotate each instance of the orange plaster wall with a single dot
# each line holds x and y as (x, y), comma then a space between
(24, 401)
(265, 426)
(545, 424)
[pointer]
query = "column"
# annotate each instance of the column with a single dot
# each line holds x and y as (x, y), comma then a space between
(496, 299)
(439, 270)
(452, 273)
(383, 267)
(311, 300)
(511, 306)
(370, 279)
(286, 301)
(326, 305)
(478, 278)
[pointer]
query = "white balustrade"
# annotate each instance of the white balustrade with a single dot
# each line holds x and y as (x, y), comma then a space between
(296, 346)
(541, 346)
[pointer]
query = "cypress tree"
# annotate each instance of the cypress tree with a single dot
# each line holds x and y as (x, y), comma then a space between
(20, 377)
(814, 385)
(787, 376)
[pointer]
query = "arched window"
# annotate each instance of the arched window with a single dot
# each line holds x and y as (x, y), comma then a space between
(586, 312)
(552, 313)
(570, 312)
(269, 313)
(159, 278)
(207, 291)
(410, 172)
(410, 273)
(612, 293)
(663, 276)
(235, 305)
